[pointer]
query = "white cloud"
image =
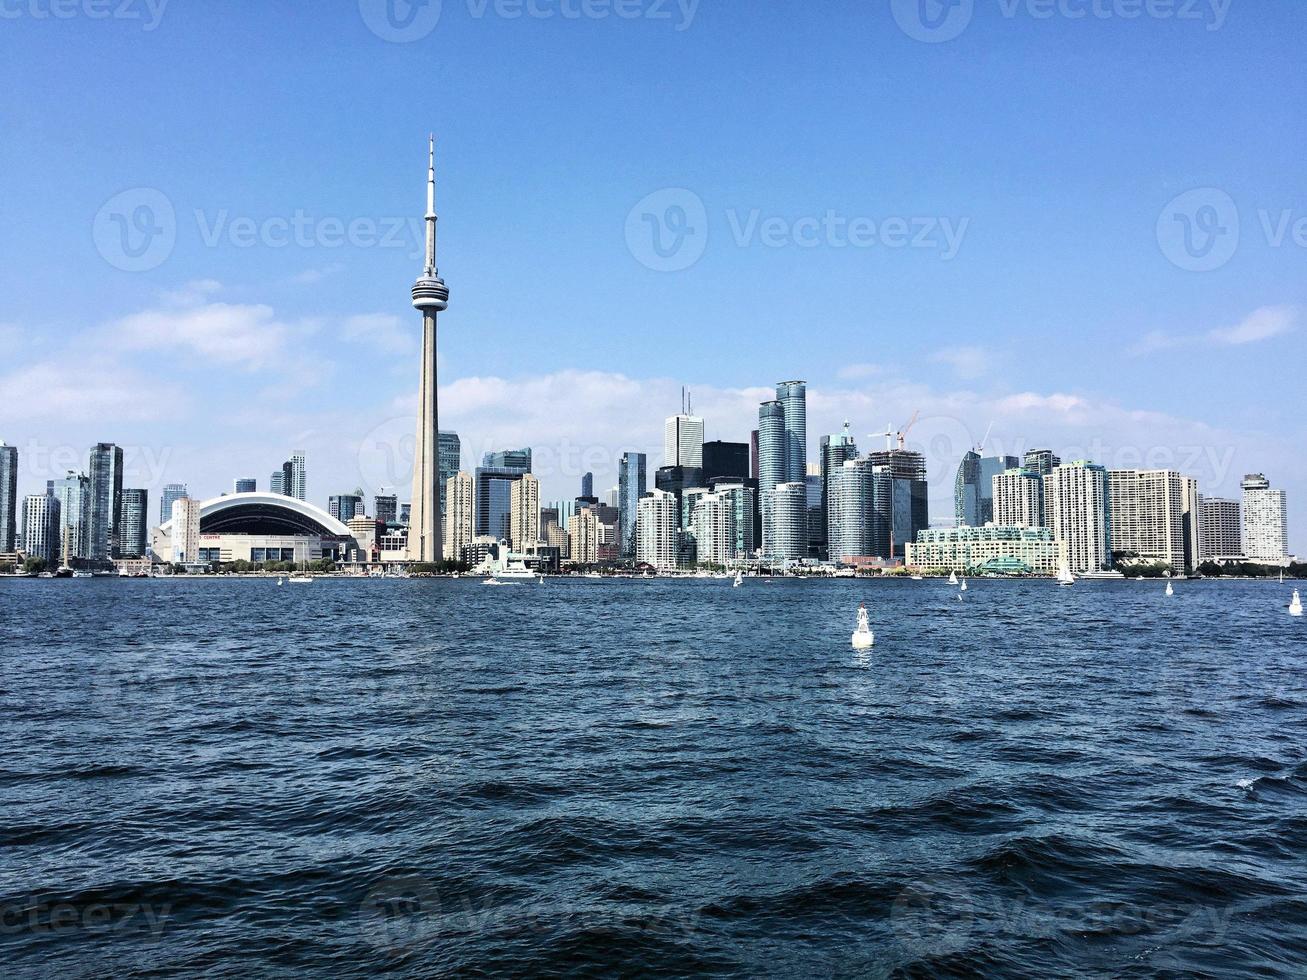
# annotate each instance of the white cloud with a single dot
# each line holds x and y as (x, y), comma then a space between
(967, 362)
(852, 372)
(1263, 324)
(382, 331)
(81, 390)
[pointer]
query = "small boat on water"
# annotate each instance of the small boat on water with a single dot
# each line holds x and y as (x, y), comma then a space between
(952, 578)
(917, 578)
(863, 637)
(964, 586)
(493, 581)
(280, 580)
(1170, 589)
(739, 580)
(1295, 605)
(1064, 576)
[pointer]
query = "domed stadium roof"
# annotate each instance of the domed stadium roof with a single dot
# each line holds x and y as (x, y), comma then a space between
(265, 513)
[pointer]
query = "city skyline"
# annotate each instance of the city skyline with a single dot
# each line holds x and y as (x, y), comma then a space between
(1061, 319)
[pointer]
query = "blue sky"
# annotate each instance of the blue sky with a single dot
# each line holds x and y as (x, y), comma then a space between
(1041, 166)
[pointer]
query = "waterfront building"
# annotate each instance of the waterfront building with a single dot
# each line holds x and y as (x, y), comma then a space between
(346, 506)
(714, 529)
(1148, 516)
(990, 549)
(678, 479)
(835, 451)
(612, 497)
(1191, 517)
(458, 513)
(683, 441)
(587, 485)
(1265, 521)
(134, 536)
(245, 484)
(8, 498)
(793, 397)
(41, 527)
(656, 530)
(517, 460)
(74, 493)
(253, 527)
(386, 507)
(105, 469)
(630, 489)
(910, 500)
(557, 537)
(1078, 505)
(1041, 461)
(816, 531)
(973, 488)
(785, 522)
(1222, 529)
(524, 512)
(742, 500)
(728, 460)
(184, 532)
(366, 532)
(771, 446)
(583, 537)
(494, 500)
(1018, 498)
(426, 539)
(171, 492)
(860, 511)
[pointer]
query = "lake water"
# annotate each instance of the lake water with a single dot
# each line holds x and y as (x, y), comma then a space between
(414, 778)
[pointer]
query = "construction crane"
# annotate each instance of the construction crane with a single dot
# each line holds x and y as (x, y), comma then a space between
(903, 433)
(888, 434)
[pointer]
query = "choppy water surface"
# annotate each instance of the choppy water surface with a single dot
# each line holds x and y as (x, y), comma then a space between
(355, 778)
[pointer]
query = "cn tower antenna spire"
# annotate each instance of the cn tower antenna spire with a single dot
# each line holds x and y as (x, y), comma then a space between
(431, 205)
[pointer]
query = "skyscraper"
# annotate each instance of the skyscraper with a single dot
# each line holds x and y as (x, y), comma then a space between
(973, 489)
(8, 497)
(1191, 512)
(282, 480)
(74, 493)
(458, 515)
(583, 537)
(1018, 498)
(785, 522)
(1079, 508)
(1265, 524)
(41, 527)
(134, 533)
(835, 450)
(771, 445)
(386, 507)
(299, 476)
(1221, 528)
(1041, 461)
(860, 511)
(173, 491)
(1148, 515)
(588, 485)
(524, 512)
(911, 504)
(185, 536)
(725, 459)
(346, 506)
(518, 460)
(656, 523)
(245, 484)
(630, 488)
(494, 500)
(449, 461)
(683, 441)
(106, 474)
(430, 297)
(793, 396)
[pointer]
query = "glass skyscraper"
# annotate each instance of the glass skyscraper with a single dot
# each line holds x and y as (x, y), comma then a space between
(134, 526)
(8, 497)
(793, 396)
(771, 445)
(173, 491)
(630, 488)
(973, 488)
(74, 494)
(106, 475)
(449, 456)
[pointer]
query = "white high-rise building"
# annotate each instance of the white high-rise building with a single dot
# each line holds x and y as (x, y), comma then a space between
(656, 525)
(299, 475)
(714, 529)
(1265, 521)
(1148, 515)
(185, 534)
(683, 441)
(1076, 497)
(524, 512)
(1018, 498)
(458, 515)
(41, 527)
(1191, 513)
(785, 522)
(583, 537)
(1222, 529)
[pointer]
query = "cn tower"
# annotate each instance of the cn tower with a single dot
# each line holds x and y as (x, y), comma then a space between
(430, 296)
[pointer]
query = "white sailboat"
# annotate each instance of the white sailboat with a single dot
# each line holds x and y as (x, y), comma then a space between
(964, 585)
(952, 578)
(739, 580)
(1295, 606)
(1064, 576)
(863, 637)
(298, 578)
(1170, 589)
